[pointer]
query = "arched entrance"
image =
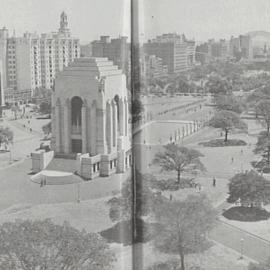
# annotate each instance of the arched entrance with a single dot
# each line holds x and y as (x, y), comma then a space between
(76, 124)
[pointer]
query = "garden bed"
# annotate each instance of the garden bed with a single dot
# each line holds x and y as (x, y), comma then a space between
(246, 214)
(222, 143)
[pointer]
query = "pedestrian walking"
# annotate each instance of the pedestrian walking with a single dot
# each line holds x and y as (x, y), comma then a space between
(242, 151)
(170, 197)
(232, 159)
(214, 182)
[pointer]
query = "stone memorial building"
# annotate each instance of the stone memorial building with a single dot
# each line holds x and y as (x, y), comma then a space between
(90, 117)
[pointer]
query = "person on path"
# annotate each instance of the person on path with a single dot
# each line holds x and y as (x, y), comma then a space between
(232, 160)
(214, 182)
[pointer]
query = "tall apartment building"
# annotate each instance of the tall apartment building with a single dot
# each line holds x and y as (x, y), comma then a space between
(175, 51)
(241, 47)
(116, 50)
(31, 61)
(219, 49)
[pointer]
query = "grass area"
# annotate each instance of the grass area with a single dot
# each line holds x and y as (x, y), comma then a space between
(122, 232)
(222, 143)
(217, 257)
(249, 214)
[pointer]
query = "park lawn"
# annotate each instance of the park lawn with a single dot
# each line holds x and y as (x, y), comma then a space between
(218, 257)
(91, 215)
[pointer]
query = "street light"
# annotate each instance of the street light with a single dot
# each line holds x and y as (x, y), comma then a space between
(78, 193)
(242, 248)
(10, 155)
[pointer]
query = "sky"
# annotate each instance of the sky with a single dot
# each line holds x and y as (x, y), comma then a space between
(88, 19)
(205, 19)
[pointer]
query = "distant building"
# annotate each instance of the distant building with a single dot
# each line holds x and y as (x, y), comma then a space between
(203, 53)
(116, 50)
(241, 47)
(152, 67)
(31, 61)
(86, 50)
(176, 52)
(220, 49)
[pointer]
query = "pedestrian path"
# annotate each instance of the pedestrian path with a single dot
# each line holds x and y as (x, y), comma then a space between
(251, 246)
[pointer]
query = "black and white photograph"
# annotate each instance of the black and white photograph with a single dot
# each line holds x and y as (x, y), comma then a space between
(135, 135)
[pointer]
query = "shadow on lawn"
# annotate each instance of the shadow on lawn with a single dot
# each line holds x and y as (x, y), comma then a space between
(122, 232)
(246, 214)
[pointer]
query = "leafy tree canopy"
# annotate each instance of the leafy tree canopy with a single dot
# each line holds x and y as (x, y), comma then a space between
(37, 245)
(184, 225)
(6, 135)
(218, 86)
(180, 159)
(227, 121)
(229, 103)
(249, 188)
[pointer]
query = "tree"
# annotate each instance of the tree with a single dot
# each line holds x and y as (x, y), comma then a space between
(263, 110)
(218, 86)
(15, 109)
(47, 129)
(260, 266)
(45, 107)
(229, 103)
(6, 135)
(263, 146)
(184, 225)
(40, 245)
(122, 207)
(227, 121)
(249, 188)
(180, 159)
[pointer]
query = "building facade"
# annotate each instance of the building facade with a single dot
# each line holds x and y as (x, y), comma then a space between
(90, 117)
(152, 67)
(176, 51)
(31, 61)
(116, 50)
(241, 47)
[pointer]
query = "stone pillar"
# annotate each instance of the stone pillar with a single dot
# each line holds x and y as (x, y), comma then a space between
(84, 128)
(57, 126)
(122, 117)
(66, 127)
(109, 126)
(126, 116)
(101, 131)
(93, 129)
(115, 123)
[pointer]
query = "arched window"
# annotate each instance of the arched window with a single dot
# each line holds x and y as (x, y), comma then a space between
(76, 111)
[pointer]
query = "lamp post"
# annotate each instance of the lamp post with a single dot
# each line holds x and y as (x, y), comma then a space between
(241, 248)
(78, 193)
(10, 155)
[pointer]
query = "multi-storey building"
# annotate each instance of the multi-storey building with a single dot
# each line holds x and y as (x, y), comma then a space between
(31, 61)
(152, 67)
(175, 51)
(219, 49)
(116, 50)
(241, 47)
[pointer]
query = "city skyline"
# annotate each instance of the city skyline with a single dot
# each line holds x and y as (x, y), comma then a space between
(196, 21)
